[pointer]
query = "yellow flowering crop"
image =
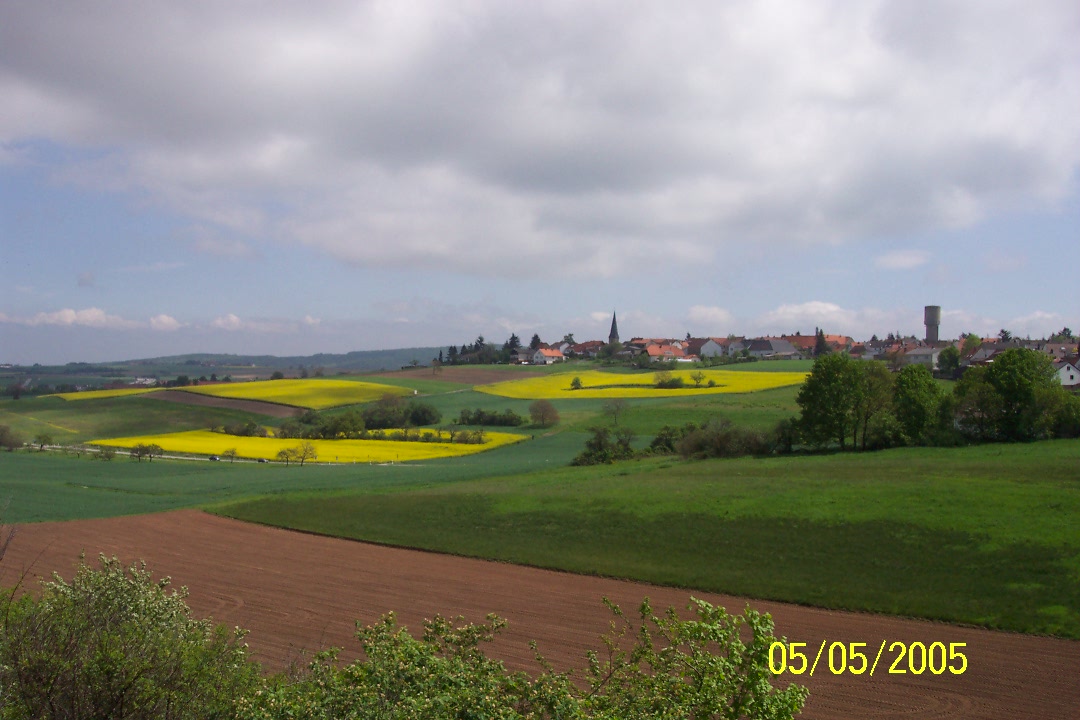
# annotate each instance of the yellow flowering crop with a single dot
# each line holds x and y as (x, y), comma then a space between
(316, 393)
(99, 394)
(204, 442)
(599, 384)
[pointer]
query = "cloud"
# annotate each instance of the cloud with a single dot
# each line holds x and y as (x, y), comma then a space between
(552, 139)
(88, 317)
(227, 322)
(712, 317)
(902, 259)
(312, 321)
(165, 323)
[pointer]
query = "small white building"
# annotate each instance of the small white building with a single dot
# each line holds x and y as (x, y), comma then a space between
(1067, 373)
(547, 356)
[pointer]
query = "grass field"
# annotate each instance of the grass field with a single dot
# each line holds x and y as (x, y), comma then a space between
(315, 393)
(984, 535)
(73, 422)
(36, 487)
(601, 384)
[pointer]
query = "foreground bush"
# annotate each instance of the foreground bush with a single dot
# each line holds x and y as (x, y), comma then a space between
(659, 667)
(114, 643)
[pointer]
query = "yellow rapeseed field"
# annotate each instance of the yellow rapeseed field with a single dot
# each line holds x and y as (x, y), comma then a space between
(204, 442)
(315, 393)
(598, 384)
(99, 394)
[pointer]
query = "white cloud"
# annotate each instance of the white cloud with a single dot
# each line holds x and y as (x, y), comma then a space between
(506, 139)
(711, 318)
(902, 259)
(87, 317)
(165, 323)
(227, 322)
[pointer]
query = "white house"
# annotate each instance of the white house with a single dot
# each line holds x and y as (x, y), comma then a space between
(547, 356)
(1067, 373)
(925, 356)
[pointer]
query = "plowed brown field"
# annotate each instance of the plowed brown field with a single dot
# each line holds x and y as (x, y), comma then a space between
(294, 591)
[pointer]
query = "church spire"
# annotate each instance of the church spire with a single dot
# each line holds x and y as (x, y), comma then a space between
(613, 336)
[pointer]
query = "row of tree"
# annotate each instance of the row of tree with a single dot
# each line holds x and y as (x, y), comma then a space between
(862, 405)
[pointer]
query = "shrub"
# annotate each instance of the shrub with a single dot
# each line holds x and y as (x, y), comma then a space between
(114, 643)
(722, 439)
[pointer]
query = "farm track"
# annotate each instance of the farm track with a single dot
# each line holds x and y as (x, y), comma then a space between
(253, 406)
(459, 374)
(296, 591)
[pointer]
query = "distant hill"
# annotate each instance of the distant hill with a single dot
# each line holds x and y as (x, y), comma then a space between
(358, 361)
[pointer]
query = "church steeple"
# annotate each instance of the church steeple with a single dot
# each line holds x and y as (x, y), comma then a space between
(613, 336)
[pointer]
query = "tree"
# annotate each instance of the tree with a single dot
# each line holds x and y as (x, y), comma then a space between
(613, 407)
(916, 399)
(139, 451)
(949, 361)
(305, 451)
(115, 643)
(827, 400)
(821, 346)
(277, 375)
(568, 338)
(575, 384)
(598, 448)
(229, 454)
(1025, 381)
(536, 342)
(42, 439)
(971, 345)
(1004, 335)
(286, 455)
(977, 405)
(1065, 335)
(107, 453)
(9, 439)
(543, 413)
(513, 344)
(874, 396)
(698, 377)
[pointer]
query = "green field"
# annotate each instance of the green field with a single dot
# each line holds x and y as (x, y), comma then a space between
(984, 535)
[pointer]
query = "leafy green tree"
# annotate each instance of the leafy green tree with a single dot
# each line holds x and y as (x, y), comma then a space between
(873, 398)
(1025, 382)
(535, 342)
(916, 400)
(42, 439)
(599, 450)
(1004, 335)
(698, 377)
(277, 375)
(115, 643)
(305, 451)
(229, 454)
(575, 384)
(949, 361)
(971, 345)
(827, 400)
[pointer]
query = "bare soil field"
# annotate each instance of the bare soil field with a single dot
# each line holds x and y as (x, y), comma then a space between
(460, 374)
(253, 406)
(295, 591)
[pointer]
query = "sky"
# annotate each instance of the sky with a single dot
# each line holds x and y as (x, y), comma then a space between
(295, 178)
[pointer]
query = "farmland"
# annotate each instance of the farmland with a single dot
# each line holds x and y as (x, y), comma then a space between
(601, 384)
(314, 393)
(204, 442)
(933, 533)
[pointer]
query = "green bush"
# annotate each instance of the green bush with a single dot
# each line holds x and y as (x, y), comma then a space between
(114, 643)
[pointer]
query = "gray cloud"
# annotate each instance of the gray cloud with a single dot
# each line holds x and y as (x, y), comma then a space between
(513, 138)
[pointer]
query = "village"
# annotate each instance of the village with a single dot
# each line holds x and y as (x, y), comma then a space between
(944, 357)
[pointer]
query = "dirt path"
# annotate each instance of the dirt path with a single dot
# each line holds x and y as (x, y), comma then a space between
(253, 406)
(293, 591)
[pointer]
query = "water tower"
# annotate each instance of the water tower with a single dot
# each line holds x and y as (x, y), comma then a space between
(932, 319)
